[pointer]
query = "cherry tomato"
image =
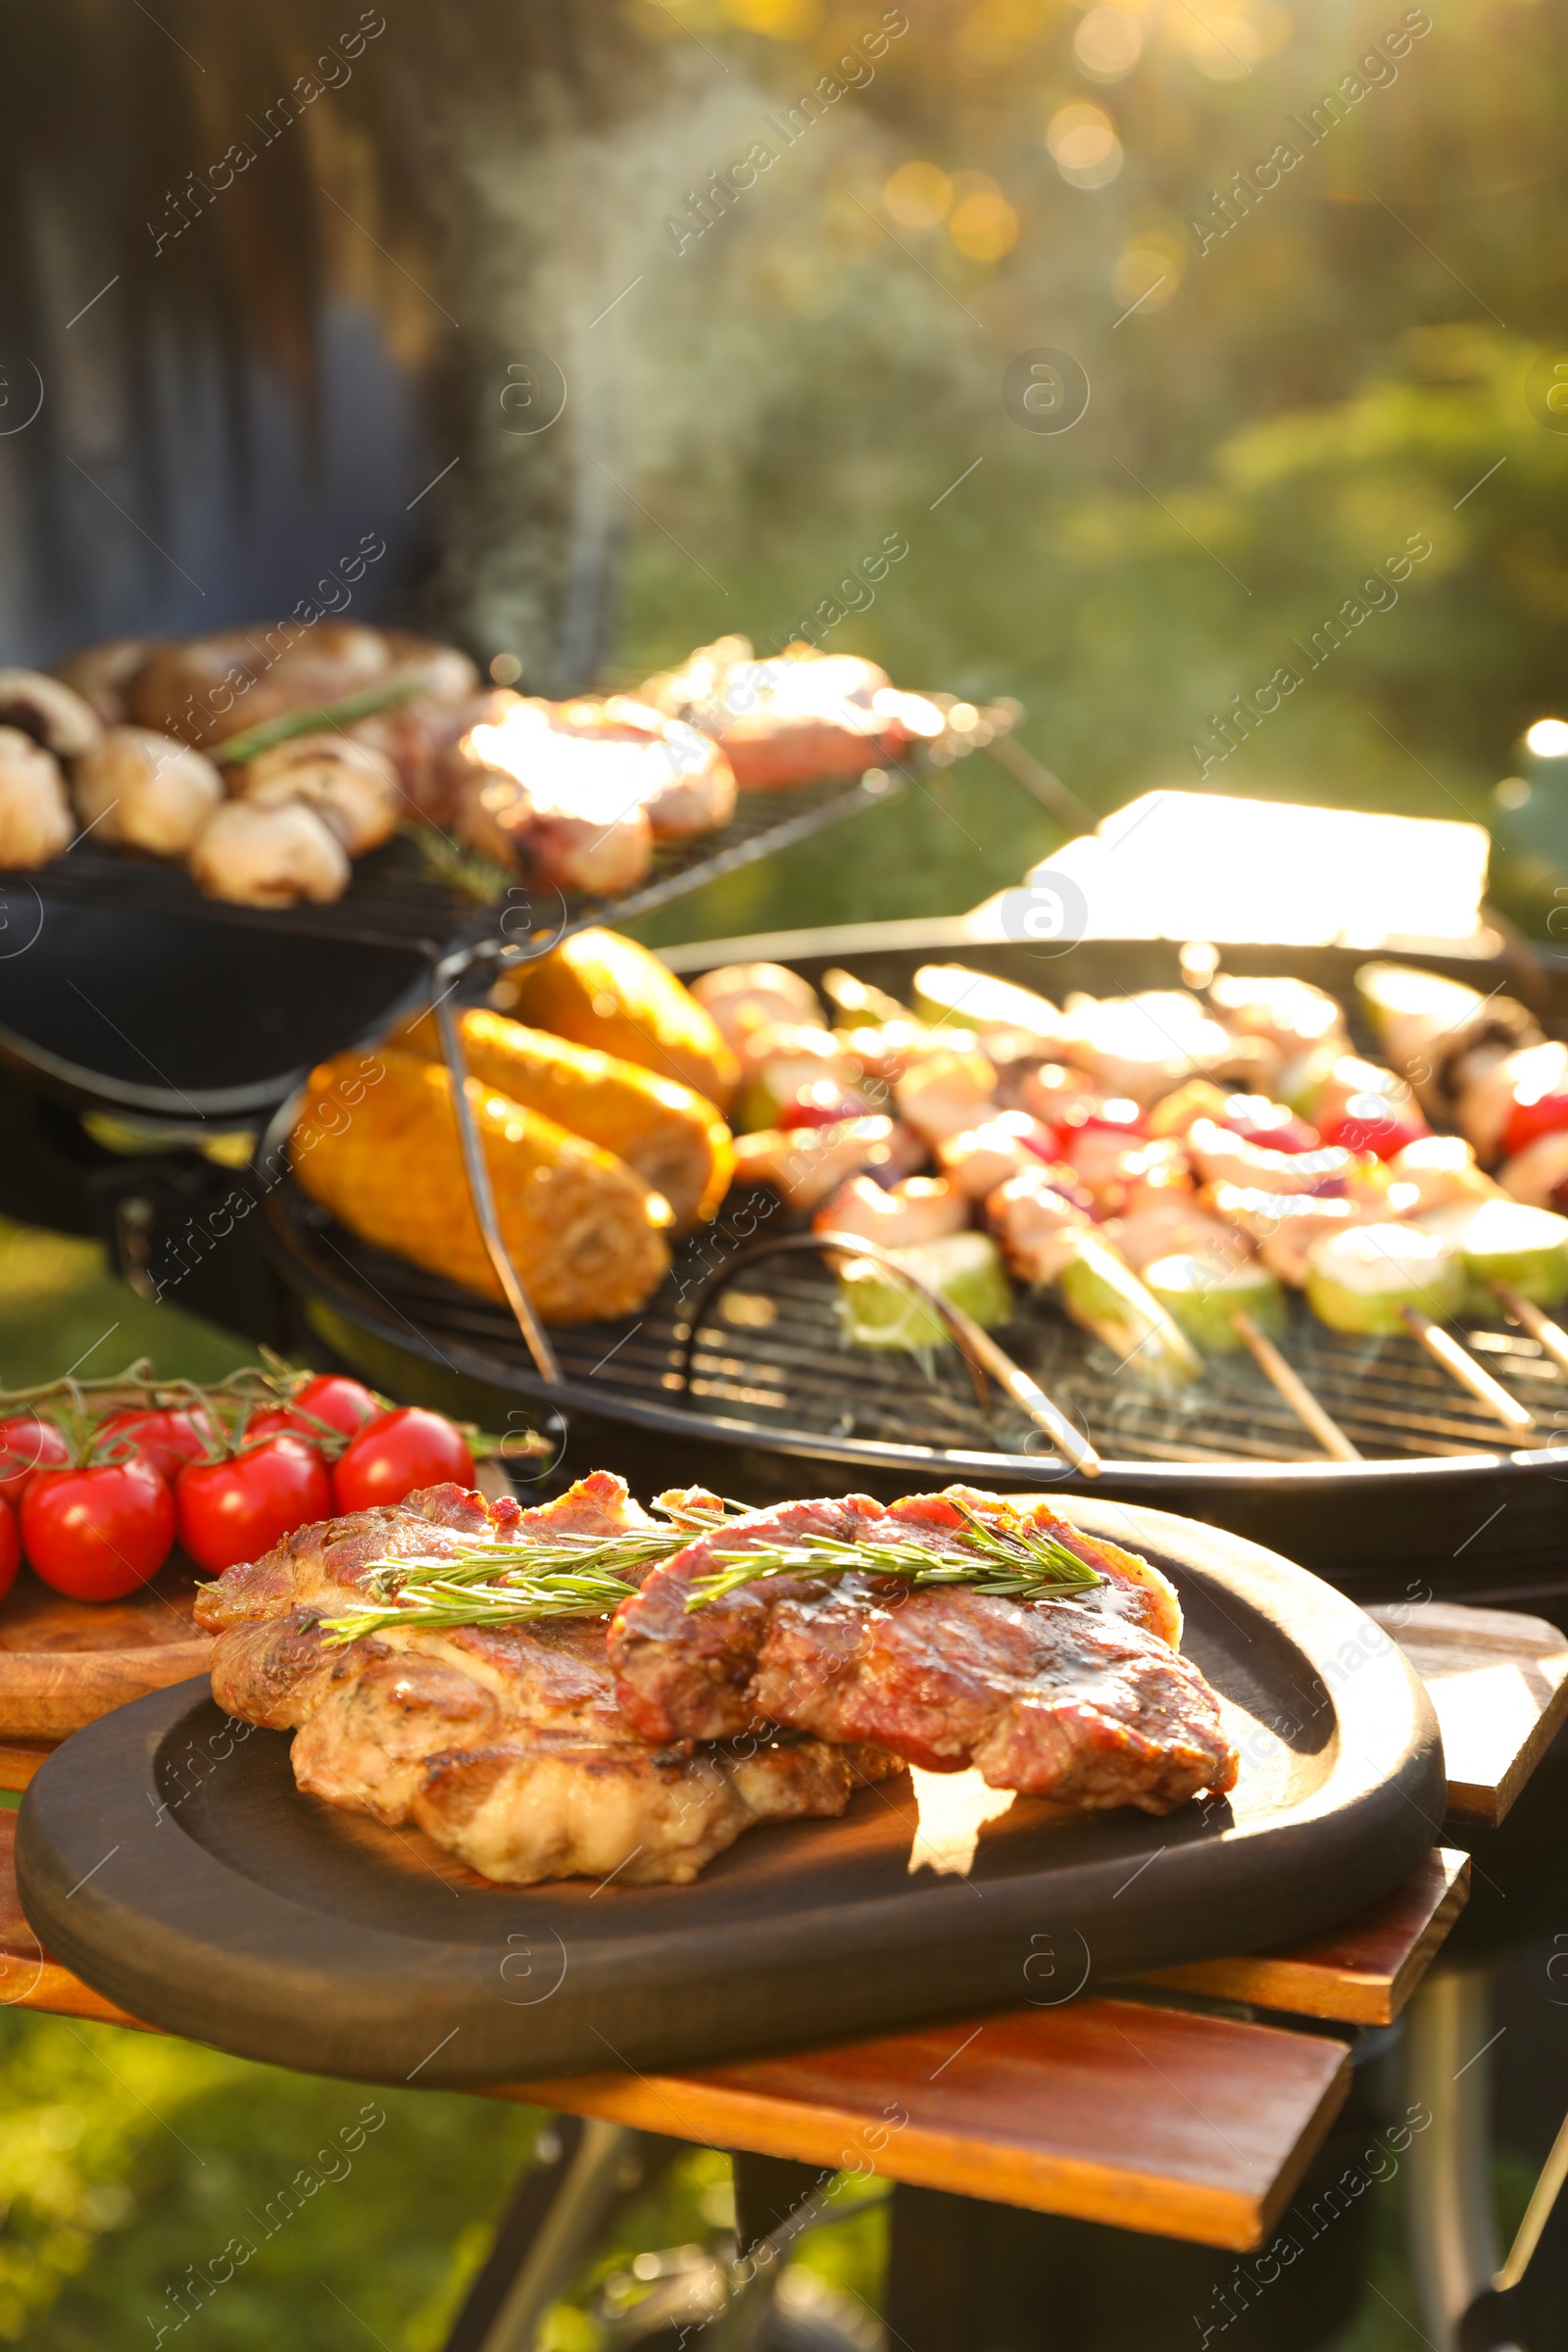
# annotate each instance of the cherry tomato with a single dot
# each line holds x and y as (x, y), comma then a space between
(1532, 1115)
(397, 1455)
(345, 1406)
(236, 1510)
(1381, 1124)
(822, 1104)
(168, 1436)
(10, 1548)
(331, 1396)
(98, 1533)
(26, 1444)
(283, 1420)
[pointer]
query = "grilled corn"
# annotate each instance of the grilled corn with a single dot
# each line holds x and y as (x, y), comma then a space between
(602, 991)
(584, 1232)
(674, 1138)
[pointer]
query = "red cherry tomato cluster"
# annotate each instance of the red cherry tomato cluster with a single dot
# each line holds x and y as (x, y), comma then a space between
(97, 1518)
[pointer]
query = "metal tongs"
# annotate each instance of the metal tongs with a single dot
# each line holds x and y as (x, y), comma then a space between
(482, 1192)
(979, 1349)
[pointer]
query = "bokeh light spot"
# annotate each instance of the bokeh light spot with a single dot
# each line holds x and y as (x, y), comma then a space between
(1107, 43)
(918, 194)
(984, 227)
(1084, 146)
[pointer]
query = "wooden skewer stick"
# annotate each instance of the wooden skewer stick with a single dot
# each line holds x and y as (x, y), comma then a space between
(1033, 1399)
(1551, 1336)
(1460, 1365)
(1295, 1392)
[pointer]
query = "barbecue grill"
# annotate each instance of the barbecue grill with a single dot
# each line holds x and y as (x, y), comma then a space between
(735, 1374)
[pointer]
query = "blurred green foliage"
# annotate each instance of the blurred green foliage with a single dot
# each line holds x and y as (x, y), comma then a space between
(1279, 412)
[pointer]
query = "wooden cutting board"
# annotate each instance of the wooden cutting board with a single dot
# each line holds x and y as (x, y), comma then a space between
(166, 1856)
(64, 1664)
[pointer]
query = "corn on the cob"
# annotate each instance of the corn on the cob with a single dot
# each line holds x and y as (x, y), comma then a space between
(672, 1136)
(585, 1233)
(606, 992)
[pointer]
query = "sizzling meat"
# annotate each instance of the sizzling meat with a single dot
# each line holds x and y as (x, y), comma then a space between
(1083, 1701)
(505, 1744)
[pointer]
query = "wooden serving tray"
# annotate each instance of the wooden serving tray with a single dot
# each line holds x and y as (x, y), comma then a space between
(64, 1664)
(166, 1856)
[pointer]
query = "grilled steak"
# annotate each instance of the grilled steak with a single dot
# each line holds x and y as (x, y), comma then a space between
(503, 1745)
(1084, 1701)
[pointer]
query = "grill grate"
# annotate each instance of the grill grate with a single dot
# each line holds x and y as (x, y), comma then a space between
(768, 1353)
(392, 901)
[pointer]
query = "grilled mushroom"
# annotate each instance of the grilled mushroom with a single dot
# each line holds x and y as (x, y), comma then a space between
(269, 857)
(53, 714)
(146, 792)
(100, 675)
(353, 789)
(34, 812)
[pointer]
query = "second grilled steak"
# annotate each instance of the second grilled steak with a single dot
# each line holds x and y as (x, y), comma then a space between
(1084, 1701)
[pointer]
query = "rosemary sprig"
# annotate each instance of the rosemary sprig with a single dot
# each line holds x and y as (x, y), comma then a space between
(560, 1575)
(589, 1576)
(442, 1601)
(1010, 1562)
(251, 741)
(467, 871)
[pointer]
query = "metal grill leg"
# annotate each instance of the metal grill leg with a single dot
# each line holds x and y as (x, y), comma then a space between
(1453, 2246)
(553, 2220)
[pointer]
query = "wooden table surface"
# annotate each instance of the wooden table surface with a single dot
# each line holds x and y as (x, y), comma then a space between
(1121, 2109)
(1500, 1685)
(1137, 2109)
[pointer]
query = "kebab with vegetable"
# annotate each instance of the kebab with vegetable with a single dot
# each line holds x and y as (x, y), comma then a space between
(1167, 1168)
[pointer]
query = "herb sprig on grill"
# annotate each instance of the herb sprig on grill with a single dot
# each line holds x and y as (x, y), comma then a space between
(589, 1576)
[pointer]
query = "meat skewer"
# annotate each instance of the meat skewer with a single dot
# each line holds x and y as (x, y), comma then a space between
(1549, 1336)
(1460, 1365)
(1295, 1392)
(976, 1344)
(1214, 1303)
